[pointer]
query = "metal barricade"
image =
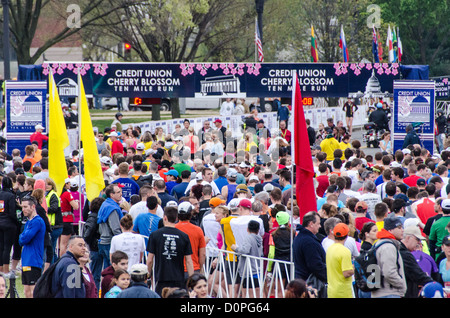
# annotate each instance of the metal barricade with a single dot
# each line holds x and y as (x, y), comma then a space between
(248, 277)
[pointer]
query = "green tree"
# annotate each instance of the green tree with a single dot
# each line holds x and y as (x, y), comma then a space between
(25, 15)
(424, 31)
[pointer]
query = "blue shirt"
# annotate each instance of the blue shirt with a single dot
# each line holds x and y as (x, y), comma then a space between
(146, 223)
(220, 182)
(179, 190)
(32, 241)
(130, 187)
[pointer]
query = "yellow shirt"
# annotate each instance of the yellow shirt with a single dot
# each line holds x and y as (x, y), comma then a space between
(338, 260)
(329, 145)
(344, 146)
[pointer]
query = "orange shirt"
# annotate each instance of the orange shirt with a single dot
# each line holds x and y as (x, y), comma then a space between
(197, 239)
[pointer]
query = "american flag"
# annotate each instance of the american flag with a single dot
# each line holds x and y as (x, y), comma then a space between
(258, 43)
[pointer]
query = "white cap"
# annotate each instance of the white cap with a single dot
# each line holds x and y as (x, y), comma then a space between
(105, 160)
(38, 127)
(113, 134)
(140, 146)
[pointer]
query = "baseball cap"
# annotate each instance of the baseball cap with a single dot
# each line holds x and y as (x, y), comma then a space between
(232, 173)
(184, 208)
(217, 120)
(446, 240)
(391, 223)
(73, 183)
(113, 134)
(171, 172)
(105, 160)
(38, 127)
(139, 269)
(172, 203)
(215, 202)
(234, 203)
(445, 204)
(140, 146)
(421, 182)
(268, 187)
(361, 206)
(340, 230)
(413, 230)
(282, 217)
(245, 203)
(241, 188)
(198, 176)
(253, 178)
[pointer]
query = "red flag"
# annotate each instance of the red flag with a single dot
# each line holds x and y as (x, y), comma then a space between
(304, 179)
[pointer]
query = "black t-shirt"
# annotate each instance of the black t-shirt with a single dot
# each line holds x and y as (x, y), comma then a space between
(170, 246)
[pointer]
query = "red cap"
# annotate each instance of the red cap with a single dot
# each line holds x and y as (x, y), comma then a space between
(246, 203)
(218, 121)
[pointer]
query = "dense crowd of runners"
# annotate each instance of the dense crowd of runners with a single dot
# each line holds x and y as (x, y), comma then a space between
(171, 198)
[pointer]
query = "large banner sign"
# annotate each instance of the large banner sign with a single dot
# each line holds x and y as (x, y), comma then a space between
(414, 103)
(25, 108)
(157, 80)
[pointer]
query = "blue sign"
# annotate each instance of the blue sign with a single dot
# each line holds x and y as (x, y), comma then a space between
(26, 107)
(162, 80)
(414, 103)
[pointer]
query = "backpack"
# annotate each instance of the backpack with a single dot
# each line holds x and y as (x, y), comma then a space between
(367, 274)
(43, 287)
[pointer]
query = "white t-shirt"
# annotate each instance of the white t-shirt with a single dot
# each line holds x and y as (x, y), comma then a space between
(350, 243)
(211, 228)
(130, 243)
(141, 207)
(239, 226)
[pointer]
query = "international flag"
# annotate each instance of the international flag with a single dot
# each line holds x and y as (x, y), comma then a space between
(314, 53)
(380, 47)
(58, 138)
(258, 43)
(390, 46)
(304, 169)
(343, 44)
(394, 44)
(376, 57)
(92, 167)
(400, 47)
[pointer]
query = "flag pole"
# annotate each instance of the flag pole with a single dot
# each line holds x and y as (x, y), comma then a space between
(256, 48)
(79, 147)
(292, 125)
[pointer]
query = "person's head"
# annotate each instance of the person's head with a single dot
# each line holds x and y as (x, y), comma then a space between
(170, 215)
(121, 278)
(381, 210)
(152, 203)
(329, 224)
(296, 288)
(126, 222)
(311, 221)
(29, 204)
(197, 285)
(369, 232)
(114, 192)
(139, 273)
(119, 259)
(340, 231)
(77, 246)
(412, 237)
(253, 227)
(395, 226)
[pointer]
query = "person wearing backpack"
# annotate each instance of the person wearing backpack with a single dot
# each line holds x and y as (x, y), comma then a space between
(389, 260)
(67, 279)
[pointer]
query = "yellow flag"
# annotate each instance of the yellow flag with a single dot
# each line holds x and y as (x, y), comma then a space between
(58, 138)
(92, 169)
